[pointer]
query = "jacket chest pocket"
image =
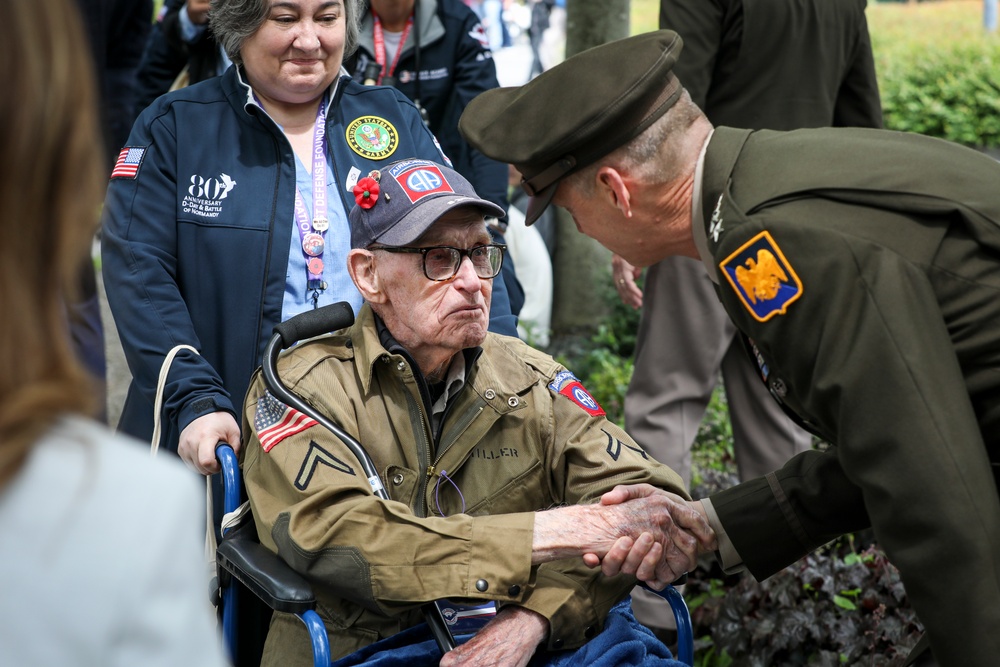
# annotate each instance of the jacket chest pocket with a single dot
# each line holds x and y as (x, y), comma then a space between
(504, 490)
(216, 198)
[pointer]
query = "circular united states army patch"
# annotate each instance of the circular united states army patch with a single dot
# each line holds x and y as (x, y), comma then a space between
(372, 137)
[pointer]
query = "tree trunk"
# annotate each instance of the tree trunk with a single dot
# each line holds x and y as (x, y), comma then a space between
(581, 264)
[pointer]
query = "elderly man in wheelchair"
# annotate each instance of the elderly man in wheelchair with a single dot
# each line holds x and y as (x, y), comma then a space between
(491, 454)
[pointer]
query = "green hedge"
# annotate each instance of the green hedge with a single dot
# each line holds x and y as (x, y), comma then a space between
(952, 93)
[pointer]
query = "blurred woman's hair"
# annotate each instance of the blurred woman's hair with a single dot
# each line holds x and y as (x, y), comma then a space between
(51, 181)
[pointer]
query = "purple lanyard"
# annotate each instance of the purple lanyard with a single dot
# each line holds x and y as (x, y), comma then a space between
(312, 233)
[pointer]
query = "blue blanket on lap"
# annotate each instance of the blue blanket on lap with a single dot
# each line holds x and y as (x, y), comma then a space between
(623, 643)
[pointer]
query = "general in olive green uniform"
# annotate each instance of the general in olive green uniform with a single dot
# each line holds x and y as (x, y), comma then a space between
(521, 435)
(864, 266)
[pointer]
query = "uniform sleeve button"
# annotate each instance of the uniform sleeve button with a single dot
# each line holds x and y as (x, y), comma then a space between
(590, 632)
(489, 394)
(482, 585)
(512, 401)
(557, 644)
(514, 591)
(397, 479)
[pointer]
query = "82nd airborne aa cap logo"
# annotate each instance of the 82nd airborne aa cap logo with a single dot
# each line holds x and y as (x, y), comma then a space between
(372, 137)
(761, 276)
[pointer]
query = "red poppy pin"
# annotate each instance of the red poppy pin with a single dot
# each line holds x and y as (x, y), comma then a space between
(366, 192)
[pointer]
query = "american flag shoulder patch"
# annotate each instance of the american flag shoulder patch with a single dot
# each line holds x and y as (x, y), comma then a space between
(128, 162)
(274, 421)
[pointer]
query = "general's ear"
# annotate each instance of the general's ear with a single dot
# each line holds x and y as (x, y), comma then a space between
(361, 266)
(612, 186)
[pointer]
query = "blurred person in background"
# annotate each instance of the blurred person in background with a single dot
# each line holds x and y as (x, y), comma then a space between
(436, 53)
(82, 583)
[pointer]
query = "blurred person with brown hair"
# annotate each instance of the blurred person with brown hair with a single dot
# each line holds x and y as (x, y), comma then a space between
(81, 584)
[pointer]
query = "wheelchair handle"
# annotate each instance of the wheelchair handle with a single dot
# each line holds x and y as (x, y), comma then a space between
(314, 323)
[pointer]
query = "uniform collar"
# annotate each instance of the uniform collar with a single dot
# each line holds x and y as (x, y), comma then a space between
(373, 342)
(698, 217)
(495, 371)
(718, 159)
(247, 95)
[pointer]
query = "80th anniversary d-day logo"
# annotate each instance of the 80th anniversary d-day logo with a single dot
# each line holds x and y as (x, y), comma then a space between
(372, 137)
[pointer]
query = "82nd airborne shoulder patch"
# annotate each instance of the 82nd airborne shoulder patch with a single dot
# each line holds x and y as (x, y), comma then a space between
(761, 276)
(568, 385)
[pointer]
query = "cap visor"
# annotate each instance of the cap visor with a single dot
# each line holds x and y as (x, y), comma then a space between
(538, 204)
(426, 213)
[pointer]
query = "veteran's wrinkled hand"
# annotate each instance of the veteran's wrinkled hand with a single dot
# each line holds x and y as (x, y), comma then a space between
(665, 550)
(509, 640)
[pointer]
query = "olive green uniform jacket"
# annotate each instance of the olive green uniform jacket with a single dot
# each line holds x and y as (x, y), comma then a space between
(511, 444)
(865, 267)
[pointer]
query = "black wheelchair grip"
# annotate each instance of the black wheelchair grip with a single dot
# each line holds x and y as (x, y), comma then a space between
(316, 322)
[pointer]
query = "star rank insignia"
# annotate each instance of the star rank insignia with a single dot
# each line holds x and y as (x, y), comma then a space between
(716, 224)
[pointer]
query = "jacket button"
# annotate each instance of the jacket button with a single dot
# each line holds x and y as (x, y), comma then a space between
(397, 479)
(401, 366)
(778, 385)
(512, 401)
(590, 632)
(490, 394)
(557, 644)
(514, 591)
(482, 585)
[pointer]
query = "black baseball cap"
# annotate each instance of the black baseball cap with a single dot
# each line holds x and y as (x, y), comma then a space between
(408, 197)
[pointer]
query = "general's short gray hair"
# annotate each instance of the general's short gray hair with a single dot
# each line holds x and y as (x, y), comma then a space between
(233, 22)
(656, 155)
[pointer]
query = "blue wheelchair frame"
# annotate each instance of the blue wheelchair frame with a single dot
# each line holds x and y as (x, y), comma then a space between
(241, 557)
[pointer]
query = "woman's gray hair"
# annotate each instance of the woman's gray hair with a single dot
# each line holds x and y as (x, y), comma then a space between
(234, 21)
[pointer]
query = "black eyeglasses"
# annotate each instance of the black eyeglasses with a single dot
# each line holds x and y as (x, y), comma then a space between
(442, 262)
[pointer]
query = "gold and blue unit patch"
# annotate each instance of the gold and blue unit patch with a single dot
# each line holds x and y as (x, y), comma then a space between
(762, 277)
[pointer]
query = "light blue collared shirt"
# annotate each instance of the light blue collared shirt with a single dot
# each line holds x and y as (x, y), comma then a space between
(339, 286)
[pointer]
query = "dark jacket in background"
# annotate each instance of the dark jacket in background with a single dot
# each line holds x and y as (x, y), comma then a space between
(455, 65)
(749, 75)
(167, 53)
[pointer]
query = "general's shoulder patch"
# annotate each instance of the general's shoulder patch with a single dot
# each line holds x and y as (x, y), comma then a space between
(128, 162)
(372, 137)
(568, 385)
(762, 277)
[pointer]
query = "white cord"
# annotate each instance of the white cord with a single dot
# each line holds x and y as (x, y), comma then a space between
(154, 447)
(160, 383)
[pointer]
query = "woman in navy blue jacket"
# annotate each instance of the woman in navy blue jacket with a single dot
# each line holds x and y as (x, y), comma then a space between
(215, 229)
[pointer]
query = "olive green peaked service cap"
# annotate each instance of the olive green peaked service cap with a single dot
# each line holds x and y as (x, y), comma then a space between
(575, 113)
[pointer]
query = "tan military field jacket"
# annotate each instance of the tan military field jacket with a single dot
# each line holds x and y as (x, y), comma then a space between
(461, 515)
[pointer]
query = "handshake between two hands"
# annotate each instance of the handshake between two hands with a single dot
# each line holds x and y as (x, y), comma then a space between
(659, 534)
(639, 529)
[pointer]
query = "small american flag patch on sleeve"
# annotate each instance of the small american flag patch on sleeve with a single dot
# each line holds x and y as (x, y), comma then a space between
(127, 165)
(274, 421)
